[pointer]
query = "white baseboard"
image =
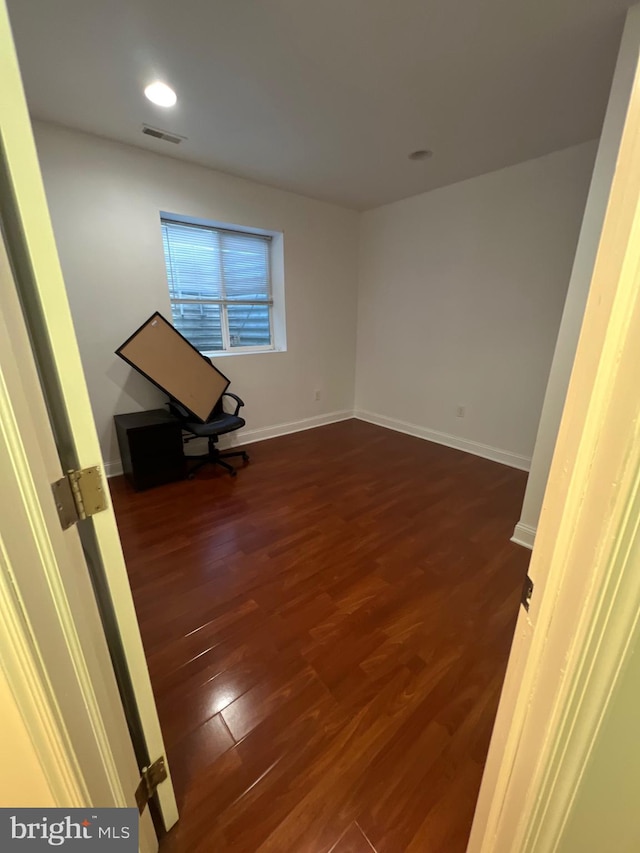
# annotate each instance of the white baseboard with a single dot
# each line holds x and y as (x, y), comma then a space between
(249, 436)
(505, 457)
(524, 535)
(113, 469)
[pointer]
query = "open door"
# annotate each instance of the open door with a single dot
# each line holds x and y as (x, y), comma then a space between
(47, 392)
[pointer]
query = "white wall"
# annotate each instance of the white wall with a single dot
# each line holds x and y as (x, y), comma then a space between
(105, 200)
(581, 274)
(460, 297)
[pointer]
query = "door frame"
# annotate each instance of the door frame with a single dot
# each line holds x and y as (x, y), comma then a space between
(44, 360)
(570, 648)
(52, 655)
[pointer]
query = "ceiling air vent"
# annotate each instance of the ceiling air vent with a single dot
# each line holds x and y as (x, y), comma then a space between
(162, 134)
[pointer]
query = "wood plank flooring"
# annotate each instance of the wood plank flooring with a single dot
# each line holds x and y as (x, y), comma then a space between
(327, 635)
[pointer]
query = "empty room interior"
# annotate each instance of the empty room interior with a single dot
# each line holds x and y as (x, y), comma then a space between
(371, 227)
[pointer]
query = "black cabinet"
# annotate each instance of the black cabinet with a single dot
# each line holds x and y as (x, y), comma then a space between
(151, 448)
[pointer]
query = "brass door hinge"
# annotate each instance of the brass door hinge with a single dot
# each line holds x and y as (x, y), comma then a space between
(79, 495)
(151, 777)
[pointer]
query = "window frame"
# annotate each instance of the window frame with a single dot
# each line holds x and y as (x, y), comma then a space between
(175, 219)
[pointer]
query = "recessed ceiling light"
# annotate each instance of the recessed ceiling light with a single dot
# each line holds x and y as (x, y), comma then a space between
(161, 94)
(421, 154)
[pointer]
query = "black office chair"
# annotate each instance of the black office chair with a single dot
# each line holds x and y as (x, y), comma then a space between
(219, 423)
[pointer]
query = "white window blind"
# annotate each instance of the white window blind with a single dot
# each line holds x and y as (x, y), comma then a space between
(219, 286)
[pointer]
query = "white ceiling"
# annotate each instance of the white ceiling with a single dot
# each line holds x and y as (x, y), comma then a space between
(327, 97)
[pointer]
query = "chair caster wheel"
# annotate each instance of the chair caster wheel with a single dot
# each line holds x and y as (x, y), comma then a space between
(245, 457)
(233, 473)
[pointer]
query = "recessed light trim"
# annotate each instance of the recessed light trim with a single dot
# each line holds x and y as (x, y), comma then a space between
(160, 94)
(421, 154)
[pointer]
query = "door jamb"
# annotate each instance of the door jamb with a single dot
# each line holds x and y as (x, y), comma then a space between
(589, 542)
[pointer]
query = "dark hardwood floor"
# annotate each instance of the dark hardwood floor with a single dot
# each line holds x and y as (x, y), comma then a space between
(327, 635)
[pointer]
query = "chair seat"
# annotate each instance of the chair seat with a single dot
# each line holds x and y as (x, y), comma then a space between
(217, 426)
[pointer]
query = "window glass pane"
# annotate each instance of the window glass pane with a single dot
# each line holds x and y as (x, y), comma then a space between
(208, 268)
(245, 263)
(199, 323)
(249, 325)
(192, 257)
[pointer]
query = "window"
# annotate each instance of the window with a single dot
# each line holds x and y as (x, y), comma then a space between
(219, 286)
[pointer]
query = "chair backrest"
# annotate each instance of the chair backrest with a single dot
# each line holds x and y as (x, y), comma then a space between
(178, 410)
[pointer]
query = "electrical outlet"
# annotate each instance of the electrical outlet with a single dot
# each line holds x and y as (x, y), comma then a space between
(317, 394)
(460, 412)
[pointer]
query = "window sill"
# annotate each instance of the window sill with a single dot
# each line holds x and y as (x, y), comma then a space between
(225, 353)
